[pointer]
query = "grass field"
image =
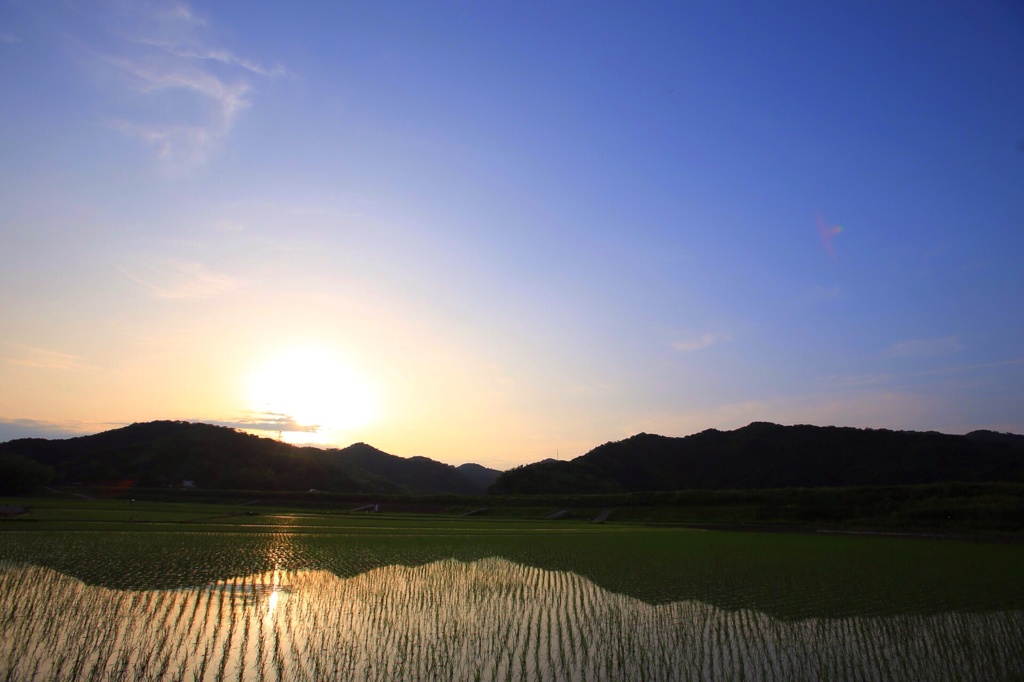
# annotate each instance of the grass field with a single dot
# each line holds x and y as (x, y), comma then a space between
(421, 596)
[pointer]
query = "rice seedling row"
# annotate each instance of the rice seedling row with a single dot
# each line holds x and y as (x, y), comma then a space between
(292, 606)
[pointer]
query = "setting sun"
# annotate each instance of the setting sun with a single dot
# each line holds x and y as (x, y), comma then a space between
(314, 392)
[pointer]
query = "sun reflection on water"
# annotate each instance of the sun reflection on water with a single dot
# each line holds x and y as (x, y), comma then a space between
(275, 593)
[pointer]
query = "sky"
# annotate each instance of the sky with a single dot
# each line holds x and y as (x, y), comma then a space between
(504, 231)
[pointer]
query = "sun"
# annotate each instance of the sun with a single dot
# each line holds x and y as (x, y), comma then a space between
(313, 391)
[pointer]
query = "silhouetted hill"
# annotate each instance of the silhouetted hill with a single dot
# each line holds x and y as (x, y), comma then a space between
(165, 453)
(1013, 439)
(764, 455)
(480, 475)
(414, 474)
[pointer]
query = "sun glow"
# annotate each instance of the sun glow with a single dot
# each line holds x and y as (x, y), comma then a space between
(312, 394)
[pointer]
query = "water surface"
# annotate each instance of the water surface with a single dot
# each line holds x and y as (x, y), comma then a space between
(505, 605)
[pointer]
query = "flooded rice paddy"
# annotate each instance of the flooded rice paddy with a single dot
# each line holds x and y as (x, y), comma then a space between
(504, 604)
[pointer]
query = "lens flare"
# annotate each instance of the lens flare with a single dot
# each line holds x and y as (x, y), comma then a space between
(828, 234)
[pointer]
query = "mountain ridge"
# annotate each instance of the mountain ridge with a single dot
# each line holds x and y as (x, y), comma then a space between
(759, 455)
(167, 453)
(766, 455)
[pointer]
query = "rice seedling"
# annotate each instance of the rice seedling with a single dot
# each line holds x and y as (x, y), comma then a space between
(576, 605)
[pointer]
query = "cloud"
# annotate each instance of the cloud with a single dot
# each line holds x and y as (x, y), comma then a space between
(42, 358)
(924, 348)
(178, 280)
(11, 429)
(226, 57)
(265, 421)
(701, 342)
(189, 91)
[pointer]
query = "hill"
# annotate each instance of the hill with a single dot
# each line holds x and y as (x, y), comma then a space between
(763, 455)
(166, 453)
(413, 474)
(480, 475)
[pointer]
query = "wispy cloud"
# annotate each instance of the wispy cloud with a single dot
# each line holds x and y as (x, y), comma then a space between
(177, 280)
(265, 421)
(11, 429)
(924, 348)
(222, 56)
(190, 91)
(703, 341)
(42, 358)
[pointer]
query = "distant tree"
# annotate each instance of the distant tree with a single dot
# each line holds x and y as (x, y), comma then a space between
(19, 475)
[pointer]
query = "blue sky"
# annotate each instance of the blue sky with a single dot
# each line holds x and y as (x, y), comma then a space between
(500, 231)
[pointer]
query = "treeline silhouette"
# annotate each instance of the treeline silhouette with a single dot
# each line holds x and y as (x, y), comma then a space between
(20, 475)
(763, 455)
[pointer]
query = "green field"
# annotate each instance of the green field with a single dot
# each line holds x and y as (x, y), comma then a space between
(995, 510)
(171, 587)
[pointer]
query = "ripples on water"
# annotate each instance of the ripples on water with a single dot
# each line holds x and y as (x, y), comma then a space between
(490, 619)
